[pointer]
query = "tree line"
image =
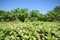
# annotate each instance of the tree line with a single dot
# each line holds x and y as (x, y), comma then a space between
(25, 15)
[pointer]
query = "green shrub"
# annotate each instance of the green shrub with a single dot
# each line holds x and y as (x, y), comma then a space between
(30, 31)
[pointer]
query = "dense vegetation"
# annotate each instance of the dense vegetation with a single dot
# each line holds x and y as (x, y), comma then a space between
(26, 15)
(22, 24)
(30, 31)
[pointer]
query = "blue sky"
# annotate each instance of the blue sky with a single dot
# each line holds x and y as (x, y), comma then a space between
(42, 5)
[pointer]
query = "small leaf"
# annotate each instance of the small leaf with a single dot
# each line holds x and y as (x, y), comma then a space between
(7, 38)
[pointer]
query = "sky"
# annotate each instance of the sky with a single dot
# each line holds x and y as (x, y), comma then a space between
(42, 5)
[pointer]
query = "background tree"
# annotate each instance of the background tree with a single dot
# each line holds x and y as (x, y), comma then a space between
(26, 15)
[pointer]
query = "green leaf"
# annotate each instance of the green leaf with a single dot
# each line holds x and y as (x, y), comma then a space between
(7, 38)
